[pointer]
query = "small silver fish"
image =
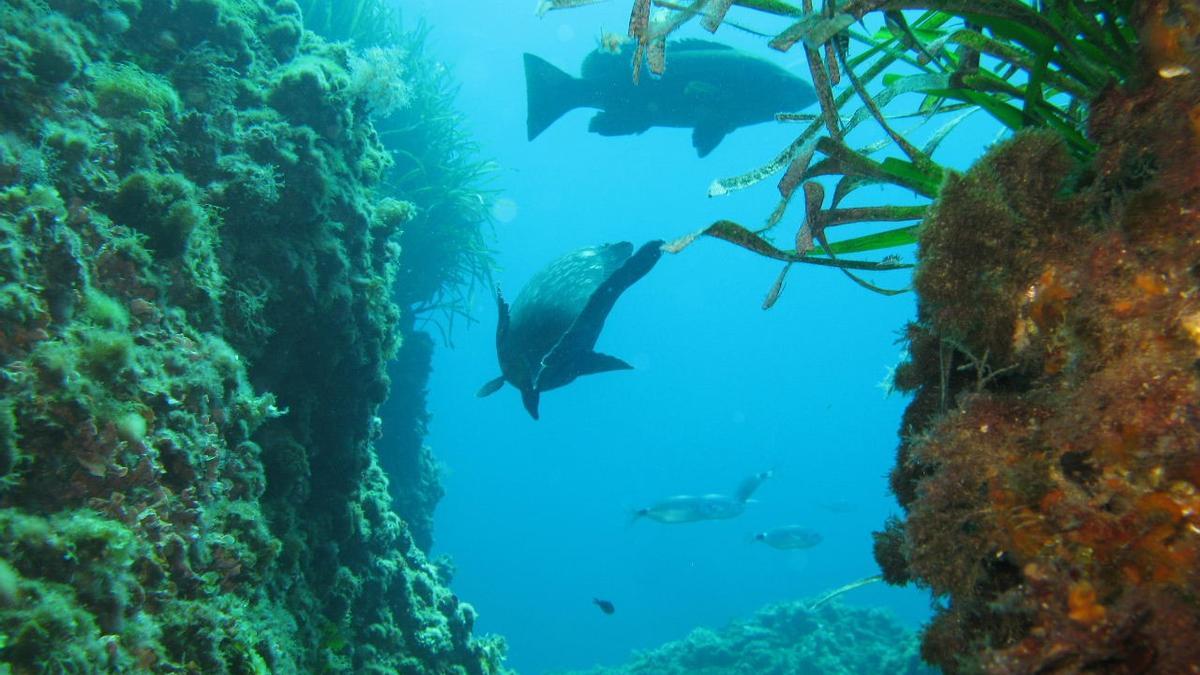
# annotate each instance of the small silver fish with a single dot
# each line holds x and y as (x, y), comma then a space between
(689, 509)
(792, 536)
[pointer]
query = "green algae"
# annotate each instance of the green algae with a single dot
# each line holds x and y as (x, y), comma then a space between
(177, 222)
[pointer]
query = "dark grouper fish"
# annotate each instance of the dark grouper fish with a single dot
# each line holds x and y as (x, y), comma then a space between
(708, 87)
(547, 339)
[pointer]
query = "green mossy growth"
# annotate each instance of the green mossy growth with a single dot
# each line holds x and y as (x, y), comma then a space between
(8, 586)
(124, 90)
(131, 427)
(392, 214)
(184, 165)
(71, 144)
(162, 206)
(10, 438)
(57, 56)
(283, 36)
(55, 363)
(73, 576)
(106, 354)
(308, 91)
(18, 307)
(104, 311)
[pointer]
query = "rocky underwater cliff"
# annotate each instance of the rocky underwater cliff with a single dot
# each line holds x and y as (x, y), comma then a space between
(1050, 461)
(196, 264)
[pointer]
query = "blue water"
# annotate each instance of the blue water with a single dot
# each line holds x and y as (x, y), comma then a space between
(537, 514)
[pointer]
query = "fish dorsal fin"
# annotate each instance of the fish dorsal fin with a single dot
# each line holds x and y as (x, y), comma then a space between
(582, 335)
(695, 45)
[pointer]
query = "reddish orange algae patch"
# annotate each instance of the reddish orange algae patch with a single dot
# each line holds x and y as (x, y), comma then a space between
(1050, 462)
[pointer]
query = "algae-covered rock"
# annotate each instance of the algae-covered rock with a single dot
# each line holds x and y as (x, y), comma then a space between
(1048, 465)
(787, 639)
(195, 269)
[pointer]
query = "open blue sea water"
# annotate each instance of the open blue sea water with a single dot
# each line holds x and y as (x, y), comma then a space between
(537, 514)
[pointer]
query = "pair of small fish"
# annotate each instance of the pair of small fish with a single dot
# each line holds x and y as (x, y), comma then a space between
(690, 509)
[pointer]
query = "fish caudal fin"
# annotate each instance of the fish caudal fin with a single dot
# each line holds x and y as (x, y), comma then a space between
(490, 387)
(549, 94)
(530, 399)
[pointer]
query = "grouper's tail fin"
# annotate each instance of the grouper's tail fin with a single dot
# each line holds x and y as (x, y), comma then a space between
(549, 93)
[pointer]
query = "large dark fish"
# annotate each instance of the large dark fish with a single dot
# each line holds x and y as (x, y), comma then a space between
(547, 339)
(709, 87)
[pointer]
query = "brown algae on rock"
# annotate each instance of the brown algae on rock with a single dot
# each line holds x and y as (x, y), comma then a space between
(1049, 463)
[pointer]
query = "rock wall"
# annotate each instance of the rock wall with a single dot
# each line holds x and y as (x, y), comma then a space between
(1050, 460)
(194, 325)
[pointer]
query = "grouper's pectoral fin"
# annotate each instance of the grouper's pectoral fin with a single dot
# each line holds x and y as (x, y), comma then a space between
(530, 398)
(705, 137)
(490, 387)
(595, 362)
(617, 123)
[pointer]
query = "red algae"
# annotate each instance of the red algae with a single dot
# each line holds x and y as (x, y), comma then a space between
(1050, 467)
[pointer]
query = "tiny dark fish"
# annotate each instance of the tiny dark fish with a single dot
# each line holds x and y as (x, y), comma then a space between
(547, 339)
(708, 87)
(604, 605)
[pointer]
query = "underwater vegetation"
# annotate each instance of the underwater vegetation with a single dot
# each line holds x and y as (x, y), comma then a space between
(438, 167)
(436, 164)
(787, 639)
(445, 207)
(1049, 460)
(196, 254)
(1049, 463)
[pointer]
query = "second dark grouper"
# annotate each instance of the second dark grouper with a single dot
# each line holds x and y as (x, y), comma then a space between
(547, 339)
(710, 87)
